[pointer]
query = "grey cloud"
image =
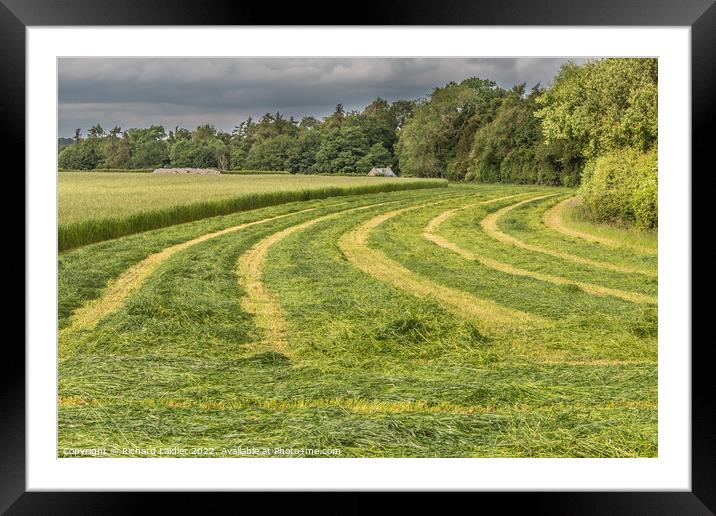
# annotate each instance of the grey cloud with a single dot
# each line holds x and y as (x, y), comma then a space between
(189, 91)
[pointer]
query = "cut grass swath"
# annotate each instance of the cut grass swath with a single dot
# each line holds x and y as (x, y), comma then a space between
(430, 233)
(258, 300)
(87, 316)
(377, 264)
(490, 226)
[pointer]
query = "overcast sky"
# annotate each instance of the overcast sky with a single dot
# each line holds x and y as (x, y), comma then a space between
(138, 92)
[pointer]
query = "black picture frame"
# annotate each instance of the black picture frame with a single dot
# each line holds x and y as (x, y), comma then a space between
(700, 15)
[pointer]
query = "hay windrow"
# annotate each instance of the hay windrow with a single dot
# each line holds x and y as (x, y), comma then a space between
(430, 233)
(487, 313)
(258, 301)
(356, 405)
(87, 316)
(490, 226)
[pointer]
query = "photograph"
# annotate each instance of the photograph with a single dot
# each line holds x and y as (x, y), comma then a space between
(357, 257)
(423, 248)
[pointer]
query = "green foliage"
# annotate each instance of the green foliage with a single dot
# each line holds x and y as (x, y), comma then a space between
(511, 148)
(199, 153)
(149, 154)
(302, 156)
(645, 198)
(436, 141)
(344, 142)
(621, 186)
(377, 156)
(603, 105)
(401, 111)
(341, 149)
(63, 142)
(272, 154)
(79, 156)
(238, 155)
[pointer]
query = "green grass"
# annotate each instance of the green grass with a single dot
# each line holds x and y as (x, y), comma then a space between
(576, 217)
(374, 371)
(94, 207)
(585, 326)
(465, 229)
(255, 172)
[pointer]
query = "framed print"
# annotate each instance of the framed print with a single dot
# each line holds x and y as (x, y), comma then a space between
(420, 252)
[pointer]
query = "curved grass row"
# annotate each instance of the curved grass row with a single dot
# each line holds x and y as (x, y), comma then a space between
(75, 234)
(430, 233)
(258, 301)
(586, 327)
(491, 226)
(465, 229)
(561, 218)
(88, 315)
(485, 313)
(87, 273)
(373, 370)
(530, 223)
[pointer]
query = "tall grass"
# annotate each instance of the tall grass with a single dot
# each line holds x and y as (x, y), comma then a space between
(75, 234)
(254, 172)
(577, 216)
(113, 170)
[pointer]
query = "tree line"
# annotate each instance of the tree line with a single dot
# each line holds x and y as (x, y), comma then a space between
(596, 113)
(344, 142)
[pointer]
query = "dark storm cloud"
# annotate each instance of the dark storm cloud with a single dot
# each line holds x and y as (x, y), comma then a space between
(134, 92)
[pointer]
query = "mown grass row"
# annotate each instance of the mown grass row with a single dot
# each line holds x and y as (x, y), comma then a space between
(465, 230)
(526, 223)
(84, 232)
(83, 273)
(585, 327)
(376, 371)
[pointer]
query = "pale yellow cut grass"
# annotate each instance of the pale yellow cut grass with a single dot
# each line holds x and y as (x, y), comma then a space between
(356, 405)
(258, 301)
(597, 362)
(489, 225)
(91, 313)
(430, 233)
(553, 218)
(375, 263)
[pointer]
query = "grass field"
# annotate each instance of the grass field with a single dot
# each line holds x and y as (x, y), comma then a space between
(570, 218)
(97, 206)
(444, 322)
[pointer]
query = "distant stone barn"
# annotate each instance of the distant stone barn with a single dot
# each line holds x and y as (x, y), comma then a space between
(386, 171)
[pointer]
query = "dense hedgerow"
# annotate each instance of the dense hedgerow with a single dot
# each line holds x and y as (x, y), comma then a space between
(621, 186)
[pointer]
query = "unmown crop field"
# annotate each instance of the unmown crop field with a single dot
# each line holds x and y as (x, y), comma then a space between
(97, 206)
(467, 321)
